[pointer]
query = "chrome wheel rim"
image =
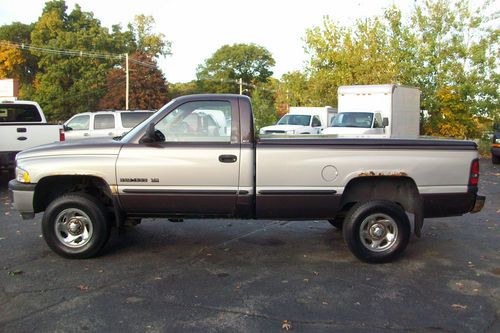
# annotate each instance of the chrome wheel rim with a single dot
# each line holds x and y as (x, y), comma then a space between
(378, 232)
(73, 228)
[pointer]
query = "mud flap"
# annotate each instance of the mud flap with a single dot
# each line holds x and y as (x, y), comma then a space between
(418, 216)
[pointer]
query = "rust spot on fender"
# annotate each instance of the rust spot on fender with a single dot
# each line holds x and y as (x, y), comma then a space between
(383, 174)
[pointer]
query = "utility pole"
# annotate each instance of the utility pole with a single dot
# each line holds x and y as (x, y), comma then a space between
(241, 86)
(126, 81)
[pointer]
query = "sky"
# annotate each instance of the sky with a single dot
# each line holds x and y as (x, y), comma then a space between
(198, 28)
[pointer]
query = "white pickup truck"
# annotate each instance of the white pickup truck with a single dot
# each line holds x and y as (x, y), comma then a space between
(177, 164)
(22, 126)
(302, 120)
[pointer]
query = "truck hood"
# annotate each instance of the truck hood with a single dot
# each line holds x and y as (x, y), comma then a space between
(281, 128)
(104, 146)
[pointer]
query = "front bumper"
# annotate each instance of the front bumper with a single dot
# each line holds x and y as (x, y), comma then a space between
(21, 195)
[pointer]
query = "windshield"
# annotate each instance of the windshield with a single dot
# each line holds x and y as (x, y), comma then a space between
(295, 119)
(353, 119)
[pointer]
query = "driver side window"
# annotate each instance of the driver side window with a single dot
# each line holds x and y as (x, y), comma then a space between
(200, 121)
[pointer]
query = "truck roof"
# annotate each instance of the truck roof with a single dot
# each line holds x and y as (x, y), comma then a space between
(11, 101)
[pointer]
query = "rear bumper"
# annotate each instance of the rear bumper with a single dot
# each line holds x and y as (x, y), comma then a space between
(452, 204)
(479, 204)
(495, 150)
(21, 195)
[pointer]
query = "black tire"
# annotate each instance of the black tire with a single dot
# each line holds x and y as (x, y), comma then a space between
(86, 215)
(495, 159)
(386, 229)
(337, 222)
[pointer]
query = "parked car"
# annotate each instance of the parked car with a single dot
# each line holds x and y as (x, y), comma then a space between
(495, 145)
(22, 126)
(164, 169)
(102, 124)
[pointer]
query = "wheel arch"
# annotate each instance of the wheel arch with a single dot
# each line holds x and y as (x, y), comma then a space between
(399, 189)
(52, 187)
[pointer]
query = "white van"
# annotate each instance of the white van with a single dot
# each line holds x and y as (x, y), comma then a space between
(102, 124)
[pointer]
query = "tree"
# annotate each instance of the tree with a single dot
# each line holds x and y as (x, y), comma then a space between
(65, 85)
(220, 73)
(447, 50)
(14, 62)
(148, 88)
(345, 56)
(263, 105)
(451, 53)
(183, 88)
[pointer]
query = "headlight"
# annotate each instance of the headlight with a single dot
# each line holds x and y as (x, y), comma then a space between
(497, 140)
(290, 132)
(22, 176)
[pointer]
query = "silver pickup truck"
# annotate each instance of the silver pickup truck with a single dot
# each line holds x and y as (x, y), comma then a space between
(198, 157)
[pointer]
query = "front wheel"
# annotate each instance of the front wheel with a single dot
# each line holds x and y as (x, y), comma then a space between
(75, 226)
(376, 231)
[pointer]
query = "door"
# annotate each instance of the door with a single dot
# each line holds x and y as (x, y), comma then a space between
(77, 127)
(104, 125)
(193, 172)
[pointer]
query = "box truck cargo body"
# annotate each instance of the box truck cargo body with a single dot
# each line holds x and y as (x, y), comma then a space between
(388, 110)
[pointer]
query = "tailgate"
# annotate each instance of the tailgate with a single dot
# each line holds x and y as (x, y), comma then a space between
(17, 137)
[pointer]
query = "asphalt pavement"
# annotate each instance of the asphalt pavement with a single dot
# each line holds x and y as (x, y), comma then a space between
(254, 276)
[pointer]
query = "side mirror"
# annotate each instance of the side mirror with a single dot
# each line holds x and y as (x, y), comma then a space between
(67, 128)
(152, 135)
(149, 136)
(385, 122)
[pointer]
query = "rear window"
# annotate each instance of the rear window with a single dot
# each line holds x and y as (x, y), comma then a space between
(19, 113)
(130, 119)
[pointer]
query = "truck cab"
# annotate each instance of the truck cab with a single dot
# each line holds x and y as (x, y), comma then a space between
(357, 123)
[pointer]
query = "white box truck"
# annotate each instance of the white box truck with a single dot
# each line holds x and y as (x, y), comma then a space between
(389, 111)
(302, 120)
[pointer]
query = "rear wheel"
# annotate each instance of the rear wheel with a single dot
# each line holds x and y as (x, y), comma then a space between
(75, 226)
(376, 231)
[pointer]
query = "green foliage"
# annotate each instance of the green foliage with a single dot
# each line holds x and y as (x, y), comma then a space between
(221, 72)
(183, 88)
(145, 40)
(446, 49)
(65, 85)
(17, 63)
(345, 56)
(263, 103)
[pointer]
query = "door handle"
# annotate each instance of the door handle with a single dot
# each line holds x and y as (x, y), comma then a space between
(22, 138)
(86, 134)
(227, 158)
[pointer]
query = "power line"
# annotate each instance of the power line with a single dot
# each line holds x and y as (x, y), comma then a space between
(75, 53)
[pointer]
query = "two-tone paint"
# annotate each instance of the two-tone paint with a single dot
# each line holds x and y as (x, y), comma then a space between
(285, 178)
